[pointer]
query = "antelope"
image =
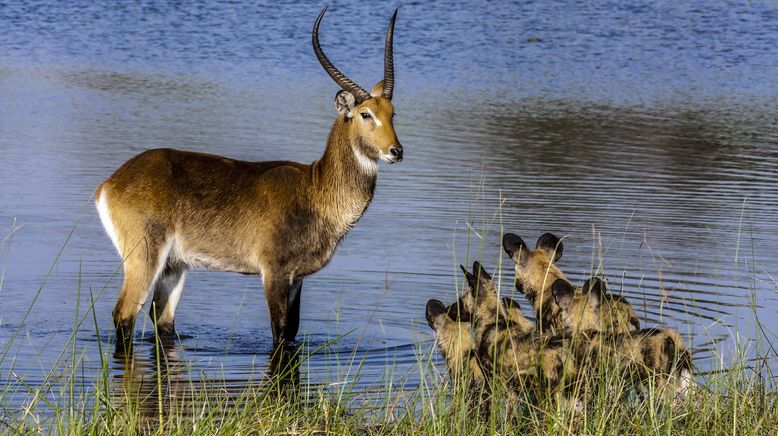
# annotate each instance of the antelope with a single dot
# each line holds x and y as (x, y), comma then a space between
(168, 210)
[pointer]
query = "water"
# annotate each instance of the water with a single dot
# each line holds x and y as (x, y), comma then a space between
(646, 134)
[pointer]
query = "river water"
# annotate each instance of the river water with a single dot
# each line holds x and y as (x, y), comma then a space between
(647, 135)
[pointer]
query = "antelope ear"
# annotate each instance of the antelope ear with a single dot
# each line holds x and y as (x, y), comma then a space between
(513, 245)
(595, 286)
(378, 89)
(345, 103)
(551, 245)
(563, 293)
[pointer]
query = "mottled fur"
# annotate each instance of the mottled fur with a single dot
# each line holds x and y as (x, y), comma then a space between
(535, 272)
(615, 314)
(536, 275)
(508, 347)
(649, 357)
(639, 355)
(455, 341)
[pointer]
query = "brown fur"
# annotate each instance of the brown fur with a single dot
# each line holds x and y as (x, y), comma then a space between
(455, 341)
(579, 310)
(168, 210)
(639, 355)
(591, 308)
(508, 347)
(535, 273)
(485, 307)
(647, 357)
(617, 316)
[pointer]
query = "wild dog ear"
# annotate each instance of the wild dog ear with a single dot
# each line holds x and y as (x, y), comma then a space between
(480, 272)
(378, 89)
(551, 245)
(472, 281)
(345, 103)
(563, 293)
(434, 310)
(458, 312)
(510, 303)
(596, 287)
(514, 246)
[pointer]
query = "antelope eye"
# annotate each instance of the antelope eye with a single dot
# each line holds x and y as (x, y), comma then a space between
(365, 115)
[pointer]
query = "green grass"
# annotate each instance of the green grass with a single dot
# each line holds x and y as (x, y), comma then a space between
(732, 398)
(736, 401)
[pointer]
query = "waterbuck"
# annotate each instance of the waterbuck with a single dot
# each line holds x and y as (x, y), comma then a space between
(168, 210)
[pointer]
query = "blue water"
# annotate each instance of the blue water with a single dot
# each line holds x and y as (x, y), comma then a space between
(646, 134)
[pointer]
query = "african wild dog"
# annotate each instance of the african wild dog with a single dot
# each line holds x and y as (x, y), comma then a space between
(536, 271)
(641, 356)
(615, 314)
(510, 350)
(455, 340)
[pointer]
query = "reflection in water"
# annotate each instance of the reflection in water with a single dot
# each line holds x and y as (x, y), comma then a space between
(652, 147)
(162, 382)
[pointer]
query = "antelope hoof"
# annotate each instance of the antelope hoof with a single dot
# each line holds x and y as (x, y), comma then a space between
(166, 330)
(124, 335)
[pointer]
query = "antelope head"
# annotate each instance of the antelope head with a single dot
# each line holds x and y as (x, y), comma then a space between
(368, 116)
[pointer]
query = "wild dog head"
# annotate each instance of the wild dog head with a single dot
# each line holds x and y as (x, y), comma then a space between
(615, 314)
(483, 302)
(579, 307)
(592, 308)
(485, 306)
(535, 273)
(455, 341)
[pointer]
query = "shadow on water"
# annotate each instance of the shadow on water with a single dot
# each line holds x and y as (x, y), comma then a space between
(160, 380)
(653, 152)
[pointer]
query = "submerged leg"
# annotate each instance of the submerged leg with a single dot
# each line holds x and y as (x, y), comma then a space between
(141, 267)
(277, 288)
(293, 310)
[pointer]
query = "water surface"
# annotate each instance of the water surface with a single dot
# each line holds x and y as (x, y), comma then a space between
(646, 135)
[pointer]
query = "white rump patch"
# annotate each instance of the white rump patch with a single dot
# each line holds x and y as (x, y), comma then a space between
(105, 218)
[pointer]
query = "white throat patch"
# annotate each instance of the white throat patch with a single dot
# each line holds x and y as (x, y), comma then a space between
(368, 165)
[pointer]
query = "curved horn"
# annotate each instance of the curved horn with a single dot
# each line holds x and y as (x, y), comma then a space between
(389, 59)
(339, 78)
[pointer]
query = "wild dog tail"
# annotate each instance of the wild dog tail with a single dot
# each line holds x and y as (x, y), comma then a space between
(685, 375)
(680, 363)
